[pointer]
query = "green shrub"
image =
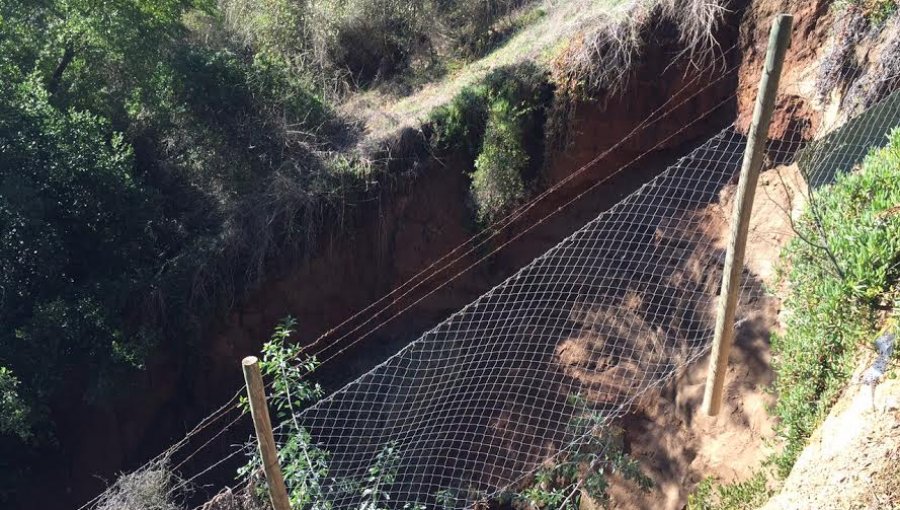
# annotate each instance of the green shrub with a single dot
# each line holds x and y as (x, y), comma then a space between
(747, 495)
(583, 468)
(305, 464)
(14, 411)
(842, 270)
(497, 182)
(875, 11)
(147, 179)
(491, 121)
(76, 238)
(460, 124)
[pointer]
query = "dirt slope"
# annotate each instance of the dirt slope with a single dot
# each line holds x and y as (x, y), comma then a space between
(675, 443)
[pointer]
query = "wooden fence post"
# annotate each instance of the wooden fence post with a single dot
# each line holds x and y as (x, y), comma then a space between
(263, 425)
(779, 41)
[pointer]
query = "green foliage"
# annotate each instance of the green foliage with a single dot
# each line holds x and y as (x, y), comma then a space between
(842, 270)
(304, 465)
(584, 468)
(77, 235)
(13, 410)
(147, 178)
(80, 231)
(875, 11)
(497, 181)
(380, 477)
(491, 121)
(747, 495)
(461, 123)
(73, 47)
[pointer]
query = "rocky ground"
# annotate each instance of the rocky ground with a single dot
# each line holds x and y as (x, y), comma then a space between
(853, 460)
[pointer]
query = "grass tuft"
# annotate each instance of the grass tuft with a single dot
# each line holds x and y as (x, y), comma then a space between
(603, 58)
(150, 488)
(747, 495)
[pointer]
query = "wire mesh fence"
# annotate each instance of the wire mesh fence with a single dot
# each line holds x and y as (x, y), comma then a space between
(590, 326)
(532, 375)
(501, 389)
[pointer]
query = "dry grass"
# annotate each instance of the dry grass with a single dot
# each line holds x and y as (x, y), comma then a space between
(697, 21)
(883, 73)
(279, 224)
(241, 500)
(150, 488)
(587, 45)
(862, 63)
(840, 60)
(602, 58)
(885, 493)
(385, 113)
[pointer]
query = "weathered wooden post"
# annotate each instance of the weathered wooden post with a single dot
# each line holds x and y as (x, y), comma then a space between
(779, 41)
(263, 425)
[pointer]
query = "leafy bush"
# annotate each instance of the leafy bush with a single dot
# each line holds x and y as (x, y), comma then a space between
(148, 177)
(14, 417)
(78, 236)
(303, 463)
(747, 495)
(842, 272)
(460, 124)
(497, 181)
(491, 121)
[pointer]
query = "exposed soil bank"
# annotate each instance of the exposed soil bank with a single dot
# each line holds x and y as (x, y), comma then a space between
(676, 444)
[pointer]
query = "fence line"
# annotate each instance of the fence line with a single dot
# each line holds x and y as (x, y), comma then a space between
(657, 116)
(494, 393)
(609, 314)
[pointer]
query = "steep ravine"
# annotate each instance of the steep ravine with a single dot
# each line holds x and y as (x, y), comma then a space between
(424, 214)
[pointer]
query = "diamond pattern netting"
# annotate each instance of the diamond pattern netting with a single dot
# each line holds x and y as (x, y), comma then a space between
(478, 403)
(609, 314)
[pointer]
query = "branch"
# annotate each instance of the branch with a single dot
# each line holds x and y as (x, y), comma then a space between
(796, 230)
(817, 222)
(56, 77)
